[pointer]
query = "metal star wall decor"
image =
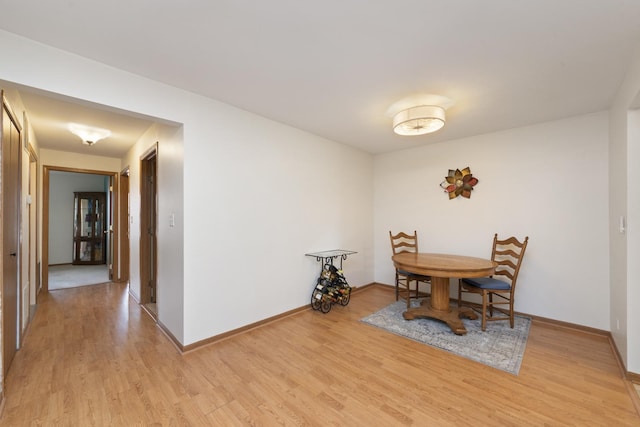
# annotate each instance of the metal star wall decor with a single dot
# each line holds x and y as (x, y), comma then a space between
(459, 183)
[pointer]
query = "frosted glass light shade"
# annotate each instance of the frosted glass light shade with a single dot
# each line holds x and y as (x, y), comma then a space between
(88, 135)
(419, 120)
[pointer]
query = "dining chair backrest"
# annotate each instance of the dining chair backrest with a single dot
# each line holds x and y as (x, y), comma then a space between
(498, 290)
(403, 242)
(508, 254)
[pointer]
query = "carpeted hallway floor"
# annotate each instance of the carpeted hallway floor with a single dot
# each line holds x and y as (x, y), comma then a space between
(72, 276)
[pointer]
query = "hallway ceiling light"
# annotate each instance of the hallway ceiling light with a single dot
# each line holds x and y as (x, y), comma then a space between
(89, 135)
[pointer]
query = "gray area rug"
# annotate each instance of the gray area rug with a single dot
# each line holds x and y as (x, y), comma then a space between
(499, 346)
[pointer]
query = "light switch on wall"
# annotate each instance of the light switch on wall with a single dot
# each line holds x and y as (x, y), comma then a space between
(172, 220)
(622, 227)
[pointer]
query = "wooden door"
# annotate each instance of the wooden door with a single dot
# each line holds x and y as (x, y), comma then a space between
(10, 226)
(148, 245)
(89, 243)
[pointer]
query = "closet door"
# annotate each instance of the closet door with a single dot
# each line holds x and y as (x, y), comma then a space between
(10, 213)
(89, 228)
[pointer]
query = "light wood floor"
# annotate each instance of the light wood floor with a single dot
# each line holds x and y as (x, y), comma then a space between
(92, 357)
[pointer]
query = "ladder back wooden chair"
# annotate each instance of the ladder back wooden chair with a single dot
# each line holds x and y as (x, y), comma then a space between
(403, 242)
(508, 254)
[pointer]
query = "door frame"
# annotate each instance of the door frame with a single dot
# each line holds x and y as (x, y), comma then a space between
(121, 251)
(148, 253)
(34, 229)
(46, 169)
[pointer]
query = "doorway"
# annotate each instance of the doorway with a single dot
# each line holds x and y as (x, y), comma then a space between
(32, 268)
(122, 251)
(66, 210)
(11, 185)
(148, 231)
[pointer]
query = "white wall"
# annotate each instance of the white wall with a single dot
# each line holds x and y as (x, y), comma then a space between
(624, 200)
(64, 159)
(548, 182)
(170, 283)
(170, 227)
(257, 194)
(633, 246)
(62, 185)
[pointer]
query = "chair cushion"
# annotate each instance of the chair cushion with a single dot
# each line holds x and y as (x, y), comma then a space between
(487, 283)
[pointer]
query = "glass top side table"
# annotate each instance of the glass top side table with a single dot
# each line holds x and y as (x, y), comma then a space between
(331, 255)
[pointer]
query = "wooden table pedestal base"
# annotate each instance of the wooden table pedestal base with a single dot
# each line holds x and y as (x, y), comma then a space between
(437, 307)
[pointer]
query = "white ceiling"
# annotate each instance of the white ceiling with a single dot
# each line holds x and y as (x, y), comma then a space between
(333, 67)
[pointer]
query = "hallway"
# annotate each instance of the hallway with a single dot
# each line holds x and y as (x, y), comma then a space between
(91, 357)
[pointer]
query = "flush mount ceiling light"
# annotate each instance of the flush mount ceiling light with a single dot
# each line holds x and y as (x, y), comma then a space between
(419, 114)
(419, 120)
(89, 135)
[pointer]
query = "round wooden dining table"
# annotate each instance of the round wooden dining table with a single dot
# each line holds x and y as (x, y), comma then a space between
(442, 267)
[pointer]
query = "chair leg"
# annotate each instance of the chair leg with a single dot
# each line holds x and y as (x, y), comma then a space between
(490, 304)
(484, 311)
(397, 286)
(511, 319)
